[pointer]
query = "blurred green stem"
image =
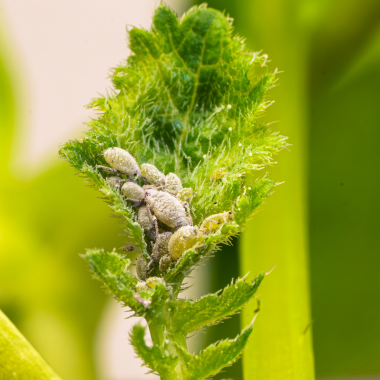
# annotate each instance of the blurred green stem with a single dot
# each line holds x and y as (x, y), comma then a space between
(18, 359)
(281, 344)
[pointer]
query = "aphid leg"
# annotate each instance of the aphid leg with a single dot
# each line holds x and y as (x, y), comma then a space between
(144, 178)
(107, 169)
(153, 219)
(188, 212)
(148, 269)
(136, 203)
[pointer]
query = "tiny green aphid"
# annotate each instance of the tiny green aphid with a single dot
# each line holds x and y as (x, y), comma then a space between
(185, 194)
(218, 174)
(154, 281)
(213, 222)
(121, 161)
(183, 239)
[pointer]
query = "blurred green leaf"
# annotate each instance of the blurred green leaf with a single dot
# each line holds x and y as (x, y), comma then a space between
(18, 358)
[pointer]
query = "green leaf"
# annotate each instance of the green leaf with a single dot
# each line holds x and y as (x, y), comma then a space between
(18, 358)
(112, 270)
(210, 309)
(215, 357)
(154, 357)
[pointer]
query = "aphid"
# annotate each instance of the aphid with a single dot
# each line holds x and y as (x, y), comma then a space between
(154, 281)
(141, 264)
(147, 221)
(115, 182)
(141, 287)
(128, 248)
(213, 222)
(165, 263)
(160, 248)
(182, 240)
(173, 184)
(218, 174)
(167, 208)
(153, 175)
(132, 191)
(185, 194)
(121, 161)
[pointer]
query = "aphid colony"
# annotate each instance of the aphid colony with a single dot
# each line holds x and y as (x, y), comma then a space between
(163, 212)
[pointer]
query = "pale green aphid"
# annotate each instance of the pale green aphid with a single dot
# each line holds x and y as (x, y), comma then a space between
(141, 287)
(154, 281)
(153, 175)
(173, 184)
(214, 222)
(185, 194)
(122, 161)
(184, 239)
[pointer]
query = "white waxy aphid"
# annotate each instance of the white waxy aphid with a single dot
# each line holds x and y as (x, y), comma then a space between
(133, 191)
(167, 208)
(141, 287)
(122, 161)
(185, 194)
(144, 219)
(153, 175)
(154, 281)
(165, 263)
(160, 248)
(213, 222)
(184, 239)
(173, 184)
(115, 182)
(141, 265)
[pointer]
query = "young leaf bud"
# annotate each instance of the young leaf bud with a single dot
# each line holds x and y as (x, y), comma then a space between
(122, 161)
(133, 191)
(173, 184)
(153, 175)
(182, 240)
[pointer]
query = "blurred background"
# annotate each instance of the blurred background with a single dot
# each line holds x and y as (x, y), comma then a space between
(55, 56)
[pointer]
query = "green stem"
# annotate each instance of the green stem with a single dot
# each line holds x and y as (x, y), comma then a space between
(161, 336)
(19, 360)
